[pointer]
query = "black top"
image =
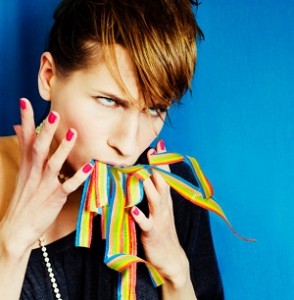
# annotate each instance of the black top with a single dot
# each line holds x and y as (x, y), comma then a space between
(82, 275)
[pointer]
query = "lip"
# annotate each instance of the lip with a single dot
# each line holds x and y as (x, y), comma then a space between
(114, 164)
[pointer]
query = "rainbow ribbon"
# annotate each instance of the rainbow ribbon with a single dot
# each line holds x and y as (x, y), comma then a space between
(111, 191)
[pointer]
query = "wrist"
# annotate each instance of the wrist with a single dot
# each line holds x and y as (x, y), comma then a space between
(10, 250)
(179, 286)
(12, 270)
(179, 273)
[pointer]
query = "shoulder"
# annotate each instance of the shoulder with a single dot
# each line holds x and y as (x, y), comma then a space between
(9, 165)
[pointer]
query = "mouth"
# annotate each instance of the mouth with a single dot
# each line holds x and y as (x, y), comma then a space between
(115, 164)
(141, 159)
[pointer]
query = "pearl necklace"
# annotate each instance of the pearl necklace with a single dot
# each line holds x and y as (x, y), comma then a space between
(49, 268)
(62, 178)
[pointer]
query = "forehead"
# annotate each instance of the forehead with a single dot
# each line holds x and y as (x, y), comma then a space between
(115, 69)
(111, 70)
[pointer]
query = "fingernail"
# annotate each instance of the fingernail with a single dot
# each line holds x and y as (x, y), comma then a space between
(23, 104)
(52, 117)
(161, 145)
(87, 168)
(69, 135)
(152, 151)
(136, 211)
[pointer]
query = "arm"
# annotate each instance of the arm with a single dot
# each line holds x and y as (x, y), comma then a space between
(160, 241)
(37, 199)
(193, 266)
(179, 287)
(196, 239)
(12, 270)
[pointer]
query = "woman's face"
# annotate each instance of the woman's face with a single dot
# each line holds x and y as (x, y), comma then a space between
(111, 127)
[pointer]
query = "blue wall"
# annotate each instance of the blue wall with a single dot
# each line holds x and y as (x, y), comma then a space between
(23, 30)
(240, 126)
(238, 123)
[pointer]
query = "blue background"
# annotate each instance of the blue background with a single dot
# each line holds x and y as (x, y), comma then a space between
(238, 123)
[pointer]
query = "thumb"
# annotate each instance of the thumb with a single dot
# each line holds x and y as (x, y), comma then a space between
(139, 217)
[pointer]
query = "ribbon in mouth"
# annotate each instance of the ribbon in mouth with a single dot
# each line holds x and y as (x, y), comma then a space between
(111, 191)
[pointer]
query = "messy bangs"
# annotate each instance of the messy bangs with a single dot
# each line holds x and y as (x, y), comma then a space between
(160, 39)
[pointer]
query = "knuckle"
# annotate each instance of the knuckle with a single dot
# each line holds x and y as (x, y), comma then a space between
(22, 132)
(65, 146)
(149, 228)
(155, 198)
(46, 128)
(52, 166)
(60, 201)
(38, 150)
(70, 185)
(33, 176)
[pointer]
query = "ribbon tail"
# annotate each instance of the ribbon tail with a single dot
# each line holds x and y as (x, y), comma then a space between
(120, 262)
(190, 192)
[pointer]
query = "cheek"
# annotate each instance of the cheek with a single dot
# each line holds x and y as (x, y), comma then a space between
(92, 135)
(150, 131)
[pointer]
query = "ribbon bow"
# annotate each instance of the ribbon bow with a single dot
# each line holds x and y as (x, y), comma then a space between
(111, 191)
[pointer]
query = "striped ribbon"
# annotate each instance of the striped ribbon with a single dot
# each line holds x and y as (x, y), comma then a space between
(111, 191)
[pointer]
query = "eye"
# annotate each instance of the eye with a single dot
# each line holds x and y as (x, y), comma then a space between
(156, 111)
(107, 101)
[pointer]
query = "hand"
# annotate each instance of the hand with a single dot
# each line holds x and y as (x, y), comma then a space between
(39, 196)
(159, 237)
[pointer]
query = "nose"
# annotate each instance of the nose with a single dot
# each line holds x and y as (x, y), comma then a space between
(125, 133)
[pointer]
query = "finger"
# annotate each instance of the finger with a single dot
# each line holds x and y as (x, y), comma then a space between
(159, 197)
(41, 147)
(17, 130)
(27, 134)
(57, 160)
(26, 137)
(74, 182)
(144, 223)
(156, 178)
(153, 196)
(161, 148)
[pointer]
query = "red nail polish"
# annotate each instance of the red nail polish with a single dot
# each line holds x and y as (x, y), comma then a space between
(152, 151)
(23, 104)
(161, 145)
(52, 117)
(87, 168)
(69, 135)
(136, 211)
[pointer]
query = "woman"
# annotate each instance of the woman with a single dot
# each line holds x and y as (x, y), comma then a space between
(112, 70)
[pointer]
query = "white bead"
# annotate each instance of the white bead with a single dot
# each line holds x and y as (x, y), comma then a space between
(48, 265)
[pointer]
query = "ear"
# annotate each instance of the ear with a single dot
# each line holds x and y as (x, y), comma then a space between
(47, 72)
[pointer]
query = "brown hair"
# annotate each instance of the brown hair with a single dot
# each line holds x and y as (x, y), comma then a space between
(159, 35)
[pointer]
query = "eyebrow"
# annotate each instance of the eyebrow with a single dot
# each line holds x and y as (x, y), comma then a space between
(112, 96)
(122, 101)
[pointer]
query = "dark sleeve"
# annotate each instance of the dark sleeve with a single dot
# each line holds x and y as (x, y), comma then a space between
(193, 229)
